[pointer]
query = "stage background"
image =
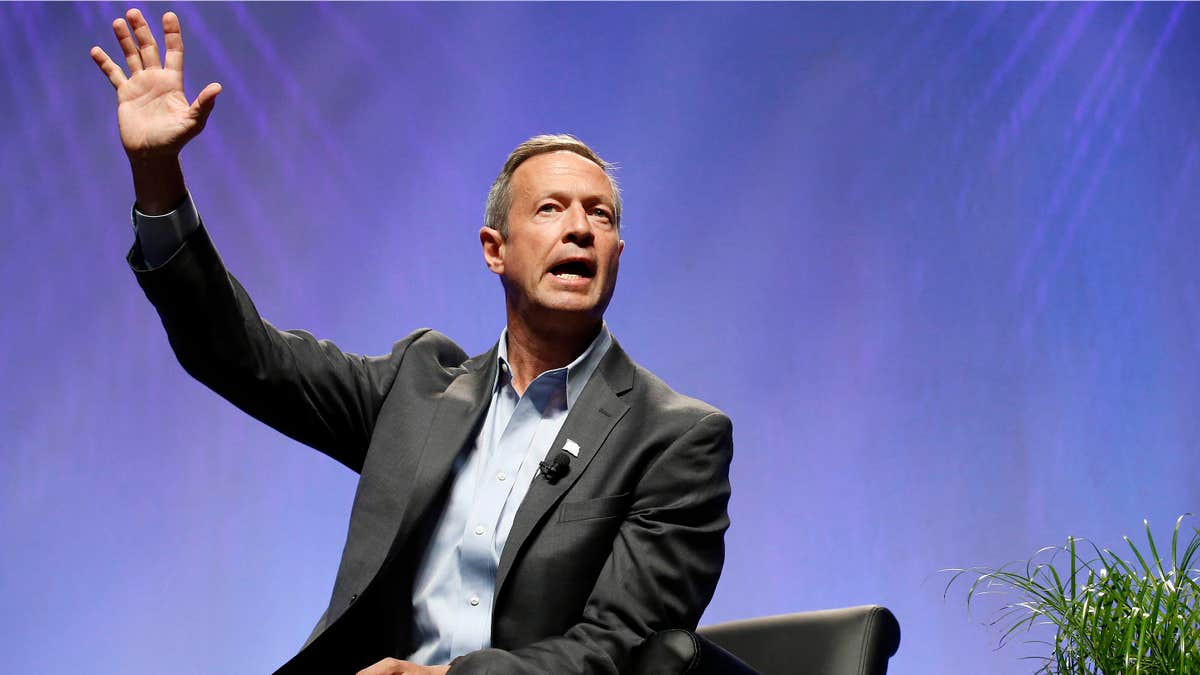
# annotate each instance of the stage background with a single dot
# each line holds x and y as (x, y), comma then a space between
(937, 262)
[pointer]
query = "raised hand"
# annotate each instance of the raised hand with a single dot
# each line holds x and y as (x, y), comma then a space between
(154, 115)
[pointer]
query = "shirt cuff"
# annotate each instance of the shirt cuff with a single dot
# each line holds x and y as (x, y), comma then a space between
(161, 236)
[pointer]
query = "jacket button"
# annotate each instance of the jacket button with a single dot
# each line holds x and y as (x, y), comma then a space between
(353, 598)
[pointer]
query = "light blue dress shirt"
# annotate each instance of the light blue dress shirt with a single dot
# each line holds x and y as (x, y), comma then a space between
(456, 580)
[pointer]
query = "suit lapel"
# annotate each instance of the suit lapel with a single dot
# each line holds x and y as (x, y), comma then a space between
(458, 414)
(589, 423)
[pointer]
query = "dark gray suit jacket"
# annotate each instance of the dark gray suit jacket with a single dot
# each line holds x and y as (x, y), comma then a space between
(631, 541)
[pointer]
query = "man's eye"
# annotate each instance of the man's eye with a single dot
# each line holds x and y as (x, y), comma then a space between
(601, 213)
(546, 208)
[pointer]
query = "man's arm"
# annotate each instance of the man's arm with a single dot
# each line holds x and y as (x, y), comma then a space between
(663, 569)
(305, 388)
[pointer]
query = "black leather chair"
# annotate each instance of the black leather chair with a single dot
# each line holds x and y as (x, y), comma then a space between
(850, 641)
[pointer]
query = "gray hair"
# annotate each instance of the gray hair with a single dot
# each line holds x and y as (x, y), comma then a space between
(500, 196)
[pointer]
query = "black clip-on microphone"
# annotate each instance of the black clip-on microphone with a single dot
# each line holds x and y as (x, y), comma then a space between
(555, 469)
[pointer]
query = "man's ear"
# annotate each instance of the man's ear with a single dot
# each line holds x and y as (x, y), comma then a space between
(493, 249)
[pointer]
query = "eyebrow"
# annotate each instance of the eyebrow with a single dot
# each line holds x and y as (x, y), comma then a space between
(565, 196)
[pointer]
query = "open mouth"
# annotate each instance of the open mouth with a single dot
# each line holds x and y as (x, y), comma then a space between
(574, 269)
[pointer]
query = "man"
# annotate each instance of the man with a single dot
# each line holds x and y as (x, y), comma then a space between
(542, 507)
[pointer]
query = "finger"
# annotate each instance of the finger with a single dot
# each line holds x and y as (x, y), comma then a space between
(112, 70)
(173, 38)
(147, 47)
(132, 58)
(205, 100)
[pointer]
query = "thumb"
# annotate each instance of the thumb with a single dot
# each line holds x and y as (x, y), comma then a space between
(205, 100)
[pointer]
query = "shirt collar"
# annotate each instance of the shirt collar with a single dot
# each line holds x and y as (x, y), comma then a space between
(577, 372)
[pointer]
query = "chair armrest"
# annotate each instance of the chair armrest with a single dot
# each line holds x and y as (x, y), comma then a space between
(853, 640)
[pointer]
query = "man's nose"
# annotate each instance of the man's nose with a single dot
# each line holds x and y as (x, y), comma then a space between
(577, 228)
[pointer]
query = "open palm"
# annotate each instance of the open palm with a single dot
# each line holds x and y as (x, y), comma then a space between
(153, 113)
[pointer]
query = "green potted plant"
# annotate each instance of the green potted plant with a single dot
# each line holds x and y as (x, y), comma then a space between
(1109, 614)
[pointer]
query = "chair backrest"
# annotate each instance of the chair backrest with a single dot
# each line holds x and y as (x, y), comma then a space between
(850, 641)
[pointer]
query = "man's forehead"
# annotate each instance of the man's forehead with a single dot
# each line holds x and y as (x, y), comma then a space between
(561, 169)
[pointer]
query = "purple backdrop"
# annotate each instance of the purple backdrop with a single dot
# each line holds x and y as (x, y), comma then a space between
(938, 262)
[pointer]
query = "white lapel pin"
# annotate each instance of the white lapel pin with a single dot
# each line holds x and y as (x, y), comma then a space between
(571, 447)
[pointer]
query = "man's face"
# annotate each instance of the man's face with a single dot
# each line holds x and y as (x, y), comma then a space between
(562, 249)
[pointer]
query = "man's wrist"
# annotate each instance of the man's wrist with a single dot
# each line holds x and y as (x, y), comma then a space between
(157, 183)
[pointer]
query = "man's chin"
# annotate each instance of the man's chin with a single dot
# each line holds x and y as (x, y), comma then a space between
(568, 302)
(560, 309)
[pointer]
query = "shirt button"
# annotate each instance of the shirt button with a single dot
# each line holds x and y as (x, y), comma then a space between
(478, 529)
(501, 476)
(474, 601)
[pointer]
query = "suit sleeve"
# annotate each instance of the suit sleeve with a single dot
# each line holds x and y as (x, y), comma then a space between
(305, 388)
(663, 569)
